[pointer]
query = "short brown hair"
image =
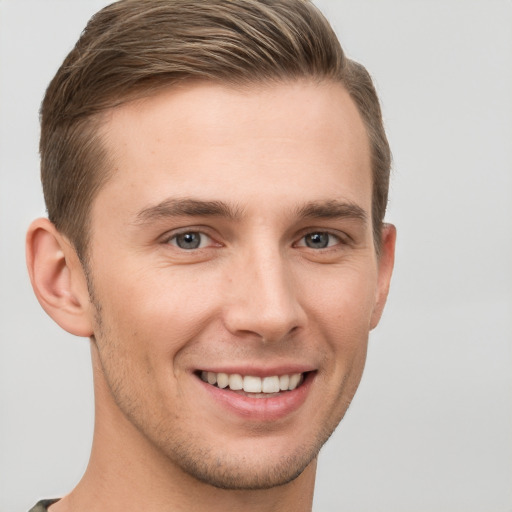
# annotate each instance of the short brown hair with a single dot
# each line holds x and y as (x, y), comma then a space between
(134, 47)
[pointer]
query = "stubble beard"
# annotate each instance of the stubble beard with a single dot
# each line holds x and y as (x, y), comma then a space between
(205, 464)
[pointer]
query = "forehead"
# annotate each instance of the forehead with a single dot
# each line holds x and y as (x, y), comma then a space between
(278, 142)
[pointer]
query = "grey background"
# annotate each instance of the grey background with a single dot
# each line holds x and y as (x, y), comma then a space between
(430, 428)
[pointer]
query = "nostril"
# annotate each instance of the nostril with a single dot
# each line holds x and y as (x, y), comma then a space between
(266, 306)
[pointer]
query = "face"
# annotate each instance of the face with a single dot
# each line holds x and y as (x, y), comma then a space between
(234, 275)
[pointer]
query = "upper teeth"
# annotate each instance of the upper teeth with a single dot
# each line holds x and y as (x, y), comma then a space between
(252, 384)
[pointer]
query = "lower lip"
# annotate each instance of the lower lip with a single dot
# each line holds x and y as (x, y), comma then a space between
(261, 409)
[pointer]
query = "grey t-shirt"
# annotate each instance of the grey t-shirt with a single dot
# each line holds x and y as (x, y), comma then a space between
(42, 506)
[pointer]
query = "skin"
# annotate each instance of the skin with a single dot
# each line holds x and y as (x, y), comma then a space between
(285, 161)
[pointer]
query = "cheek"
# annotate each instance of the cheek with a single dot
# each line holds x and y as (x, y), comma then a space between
(343, 300)
(341, 314)
(155, 315)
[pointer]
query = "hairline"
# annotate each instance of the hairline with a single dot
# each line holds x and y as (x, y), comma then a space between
(141, 92)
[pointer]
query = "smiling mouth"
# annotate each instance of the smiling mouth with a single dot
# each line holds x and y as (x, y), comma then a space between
(255, 387)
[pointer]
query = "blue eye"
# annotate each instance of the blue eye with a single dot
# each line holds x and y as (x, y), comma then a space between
(190, 240)
(319, 240)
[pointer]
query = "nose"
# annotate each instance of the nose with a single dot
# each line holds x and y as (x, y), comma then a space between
(263, 297)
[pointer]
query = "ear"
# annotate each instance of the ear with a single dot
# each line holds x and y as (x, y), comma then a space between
(58, 278)
(386, 260)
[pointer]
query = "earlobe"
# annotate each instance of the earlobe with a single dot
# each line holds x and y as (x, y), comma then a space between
(58, 278)
(386, 262)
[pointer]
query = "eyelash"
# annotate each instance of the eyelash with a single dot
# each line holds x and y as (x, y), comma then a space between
(331, 237)
(173, 240)
(176, 236)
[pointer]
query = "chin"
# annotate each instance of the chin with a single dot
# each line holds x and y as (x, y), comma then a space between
(265, 465)
(243, 474)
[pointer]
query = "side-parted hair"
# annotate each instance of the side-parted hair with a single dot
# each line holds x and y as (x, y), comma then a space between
(133, 48)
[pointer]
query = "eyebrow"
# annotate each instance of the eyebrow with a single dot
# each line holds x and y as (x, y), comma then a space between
(187, 207)
(174, 207)
(333, 209)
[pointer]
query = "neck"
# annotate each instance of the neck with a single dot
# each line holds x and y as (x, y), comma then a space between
(128, 488)
(127, 472)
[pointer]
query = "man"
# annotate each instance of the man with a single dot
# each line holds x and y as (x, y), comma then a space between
(216, 179)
